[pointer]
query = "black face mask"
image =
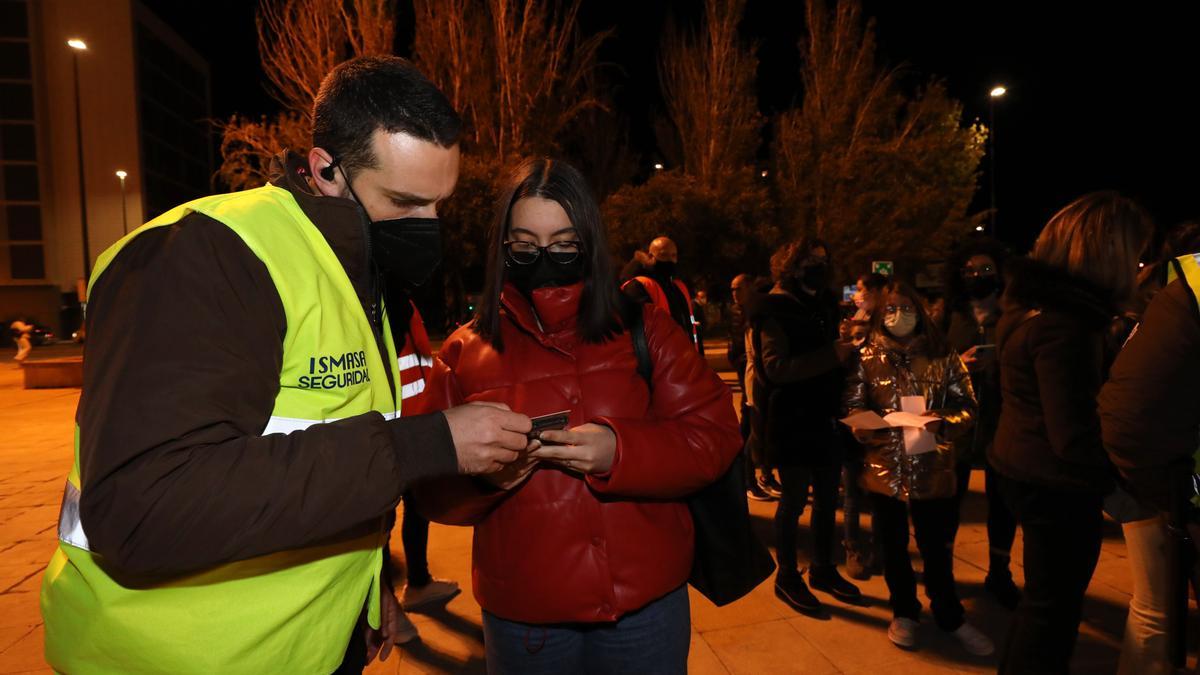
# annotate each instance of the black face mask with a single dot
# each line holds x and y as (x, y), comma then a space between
(815, 277)
(664, 269)
(543, 273)
(409, 249)
(978, 288)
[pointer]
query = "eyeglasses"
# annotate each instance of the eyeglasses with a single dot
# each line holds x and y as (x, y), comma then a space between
(527, 252)
(892, 309)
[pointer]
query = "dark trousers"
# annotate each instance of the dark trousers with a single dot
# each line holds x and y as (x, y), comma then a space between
(933, 521)
(654, 639)
(414, 535)
(1062, 533)
(854, 501)
(1001, 523)
(796, 481)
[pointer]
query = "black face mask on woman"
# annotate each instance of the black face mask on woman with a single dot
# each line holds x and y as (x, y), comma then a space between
(543, 272)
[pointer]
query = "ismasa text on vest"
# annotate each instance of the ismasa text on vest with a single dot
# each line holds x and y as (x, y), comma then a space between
(336, 371)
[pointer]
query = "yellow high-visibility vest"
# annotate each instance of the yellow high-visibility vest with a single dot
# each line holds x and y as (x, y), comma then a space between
(288, 612)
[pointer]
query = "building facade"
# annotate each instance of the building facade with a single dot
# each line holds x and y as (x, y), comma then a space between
(143, 101)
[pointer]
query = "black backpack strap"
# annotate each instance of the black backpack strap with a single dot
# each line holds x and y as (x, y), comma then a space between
(641, 349)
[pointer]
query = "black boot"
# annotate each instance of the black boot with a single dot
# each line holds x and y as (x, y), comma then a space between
(790, 587)
(999, 581)
(1003, 588)
(828, 580)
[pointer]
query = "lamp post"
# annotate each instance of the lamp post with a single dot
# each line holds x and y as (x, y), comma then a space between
(124, 219)
(998, 91)
(77, 46)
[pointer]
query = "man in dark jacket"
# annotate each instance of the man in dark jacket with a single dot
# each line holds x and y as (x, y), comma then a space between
(803, 362)
(653, 279)
(1150, 420)
(974, 285)
(177, 476)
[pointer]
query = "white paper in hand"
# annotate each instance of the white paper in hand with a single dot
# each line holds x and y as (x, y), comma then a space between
(866, 420)
(916, 439)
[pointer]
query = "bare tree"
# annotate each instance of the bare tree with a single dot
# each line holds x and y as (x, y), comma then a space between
(871, 168)
(707, 80)
(299, 41)
(518, 70)
(247, 146)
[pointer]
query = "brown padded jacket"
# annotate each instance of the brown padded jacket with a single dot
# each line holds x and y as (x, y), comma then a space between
(1150, 406)
(185, 345)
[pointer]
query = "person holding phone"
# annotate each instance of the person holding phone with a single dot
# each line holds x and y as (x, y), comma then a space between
(583, 546)
(974, 285)
(908, 363)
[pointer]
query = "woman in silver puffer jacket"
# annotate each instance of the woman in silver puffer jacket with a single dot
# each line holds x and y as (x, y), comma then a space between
(910, 471)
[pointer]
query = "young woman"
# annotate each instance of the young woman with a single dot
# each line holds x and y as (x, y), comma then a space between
(583, 546)
(910, 471)
(1053, 471)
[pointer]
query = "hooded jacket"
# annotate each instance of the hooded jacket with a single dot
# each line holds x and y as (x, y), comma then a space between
(1051, 343)
(563, 547)
(888, 371)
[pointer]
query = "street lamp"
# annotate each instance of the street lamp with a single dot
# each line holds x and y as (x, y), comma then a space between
(998, 91)
(658, 166)
(77, 46)
(124, 220)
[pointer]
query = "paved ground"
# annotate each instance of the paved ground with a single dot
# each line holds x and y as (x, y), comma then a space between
(757, 634)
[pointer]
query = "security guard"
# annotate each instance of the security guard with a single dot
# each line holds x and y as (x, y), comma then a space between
(238, 444)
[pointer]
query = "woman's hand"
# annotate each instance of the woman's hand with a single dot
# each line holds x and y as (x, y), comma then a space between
(589, 448)
(934, 425)
(863, 436)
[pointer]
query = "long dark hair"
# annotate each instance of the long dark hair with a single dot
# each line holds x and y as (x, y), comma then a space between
(601, 306)
(935, 340)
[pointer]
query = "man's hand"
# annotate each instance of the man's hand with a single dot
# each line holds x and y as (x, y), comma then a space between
(487, 436)
(589, 448)
(381, 641)
(643, 258)
(514, 474)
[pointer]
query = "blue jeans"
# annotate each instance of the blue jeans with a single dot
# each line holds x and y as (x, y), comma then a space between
(654, 639)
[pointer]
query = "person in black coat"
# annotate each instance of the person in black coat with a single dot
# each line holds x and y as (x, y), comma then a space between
(803, 363)
(974, 284)
(1053, 470)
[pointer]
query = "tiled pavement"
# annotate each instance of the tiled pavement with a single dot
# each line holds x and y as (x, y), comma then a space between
(757, 634)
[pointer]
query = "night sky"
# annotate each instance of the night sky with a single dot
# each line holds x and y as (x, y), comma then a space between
(1101, 95)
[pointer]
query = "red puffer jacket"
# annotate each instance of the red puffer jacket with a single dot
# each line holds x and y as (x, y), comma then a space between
(562, 547)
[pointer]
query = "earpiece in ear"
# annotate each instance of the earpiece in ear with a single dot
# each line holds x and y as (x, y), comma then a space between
(327, 172)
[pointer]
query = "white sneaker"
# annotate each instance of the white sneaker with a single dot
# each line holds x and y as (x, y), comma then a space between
(438, 590)
(974, 641)
(903, 632)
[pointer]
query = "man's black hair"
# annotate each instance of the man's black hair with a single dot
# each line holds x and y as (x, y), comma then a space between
(378, 92)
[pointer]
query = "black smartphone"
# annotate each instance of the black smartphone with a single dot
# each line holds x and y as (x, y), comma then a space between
(542, 423)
